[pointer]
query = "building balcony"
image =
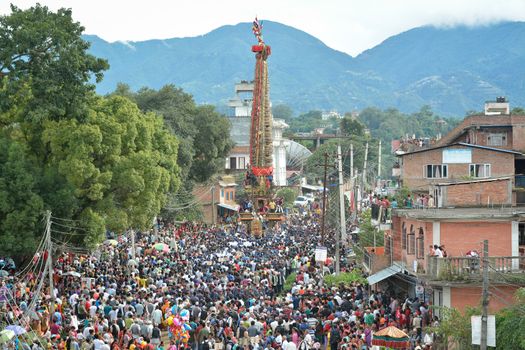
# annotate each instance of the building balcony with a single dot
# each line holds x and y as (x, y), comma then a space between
(510, 269)
(462, 213)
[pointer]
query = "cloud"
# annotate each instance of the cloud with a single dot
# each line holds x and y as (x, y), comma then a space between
(351, 26)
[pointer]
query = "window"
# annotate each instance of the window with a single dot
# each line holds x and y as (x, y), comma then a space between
(404, 237)
(497, 139)
(436, 171)
(521, 230)
(480, 170)
(411, 241)
(242, 163)
(222, 192)
(420, 252)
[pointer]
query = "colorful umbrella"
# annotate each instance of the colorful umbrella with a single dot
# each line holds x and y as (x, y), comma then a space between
(6, 335)
(391, 337)
(112, 242)
(18, 330)
(162, 247)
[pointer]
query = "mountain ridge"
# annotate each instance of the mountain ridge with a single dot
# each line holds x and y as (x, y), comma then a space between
(453, 70)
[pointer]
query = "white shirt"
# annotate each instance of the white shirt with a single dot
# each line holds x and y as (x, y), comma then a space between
(93, 311)
(97, 343)
(439, 253)
(289, 345)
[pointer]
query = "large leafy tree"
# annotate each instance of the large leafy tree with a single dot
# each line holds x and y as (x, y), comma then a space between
(282, 112)
(203, 133)
(20, 203)
(96, 162)
(211, 143)
(43, 55)
(121, 162)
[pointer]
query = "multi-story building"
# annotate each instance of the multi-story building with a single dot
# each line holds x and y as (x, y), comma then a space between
(474, 178)
(217, 200)
(239, 157)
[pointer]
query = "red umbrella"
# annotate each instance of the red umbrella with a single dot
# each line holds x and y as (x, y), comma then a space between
(391, 337)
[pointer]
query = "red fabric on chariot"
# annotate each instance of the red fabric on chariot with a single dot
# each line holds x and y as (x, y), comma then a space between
(262, 171)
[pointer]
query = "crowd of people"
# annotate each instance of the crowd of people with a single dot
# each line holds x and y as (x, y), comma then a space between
(190, 286)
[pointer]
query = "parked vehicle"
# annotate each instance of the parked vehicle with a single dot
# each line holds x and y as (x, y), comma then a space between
(301, 201)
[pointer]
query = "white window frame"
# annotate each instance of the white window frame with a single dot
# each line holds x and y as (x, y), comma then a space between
(241, 162)
(443, 166)
(501, 138)
(486, 170)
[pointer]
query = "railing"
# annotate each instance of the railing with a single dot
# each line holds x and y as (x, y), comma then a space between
(374, 262)
(519, 181)
(460, 268)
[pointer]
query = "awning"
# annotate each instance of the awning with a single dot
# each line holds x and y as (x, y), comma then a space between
(229, 207)
(312, 187)
(384, 274)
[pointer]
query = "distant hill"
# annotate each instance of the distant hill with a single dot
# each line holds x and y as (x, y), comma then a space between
(453, 70)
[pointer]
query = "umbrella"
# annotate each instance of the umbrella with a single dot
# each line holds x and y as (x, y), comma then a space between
(16, 329)
(4, 273)
(132, 262)
(72, 273)
(6, 335)
(391, 337)
(162, 247)
(112, 242)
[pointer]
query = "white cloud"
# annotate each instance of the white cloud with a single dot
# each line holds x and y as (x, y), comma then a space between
(347, 25)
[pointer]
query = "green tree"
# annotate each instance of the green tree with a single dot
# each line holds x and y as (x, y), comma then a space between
(203, 133)
(42, 55)
(455, 330)
(98, 162)
(306, 122)
(510, 324)
(288, 194)
(211, 143)
(178, 110)
(518, 111)
(282, 112)
(351, 126)
(121, 163)
(20, 203)
(368, 233)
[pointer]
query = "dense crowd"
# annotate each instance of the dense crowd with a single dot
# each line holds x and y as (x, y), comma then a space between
(198, 287)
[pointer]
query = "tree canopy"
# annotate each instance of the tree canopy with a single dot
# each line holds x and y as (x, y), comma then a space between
(203, 133)
(44, 63)
(98, 162)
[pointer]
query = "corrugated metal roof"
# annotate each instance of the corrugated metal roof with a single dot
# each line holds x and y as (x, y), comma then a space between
(462, 144)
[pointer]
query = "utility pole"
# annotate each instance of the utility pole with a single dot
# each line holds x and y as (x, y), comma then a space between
(363, 181)
(133, 244)
(485, 296)
(213, 212)
(342, 216)
(379, 163)
(50, 263)
(324, 198)
(352, 162)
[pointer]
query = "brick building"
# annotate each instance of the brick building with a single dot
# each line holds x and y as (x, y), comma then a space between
(475, 177)
(218, 200)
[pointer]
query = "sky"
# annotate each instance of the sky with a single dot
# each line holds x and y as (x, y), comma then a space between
(351, 26)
